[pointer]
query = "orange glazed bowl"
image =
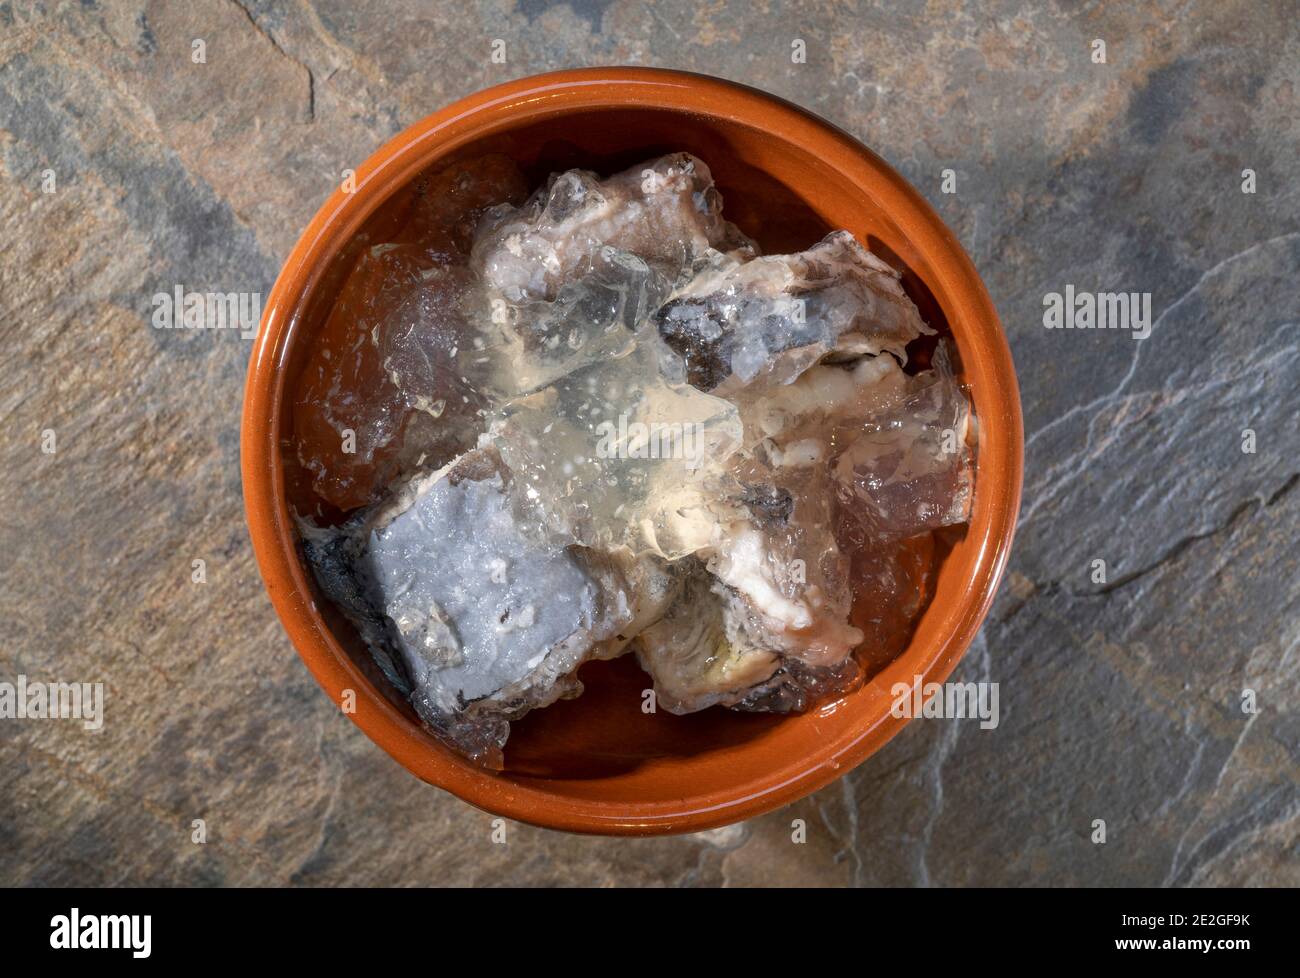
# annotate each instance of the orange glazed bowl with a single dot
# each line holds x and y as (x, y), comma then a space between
(598, 763)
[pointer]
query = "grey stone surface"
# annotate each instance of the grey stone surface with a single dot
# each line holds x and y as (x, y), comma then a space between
(1120, 700)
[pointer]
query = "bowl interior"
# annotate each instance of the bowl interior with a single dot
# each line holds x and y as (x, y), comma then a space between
(602, 749)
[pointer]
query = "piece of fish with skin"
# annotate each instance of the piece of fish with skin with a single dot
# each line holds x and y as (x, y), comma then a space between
(786, 578)
(757, 323)
(782, 556)
(489, 623)
(794, 580)
(709, 650)
(689, 655)
(522, 347)
(568, 277)
(665, 212)
(788, 566)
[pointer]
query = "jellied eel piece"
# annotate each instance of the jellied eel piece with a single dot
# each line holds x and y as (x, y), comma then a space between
(693, 658)
(752, 324)
(712, 649)
(665, 211)
(568, 277)
(489, 622)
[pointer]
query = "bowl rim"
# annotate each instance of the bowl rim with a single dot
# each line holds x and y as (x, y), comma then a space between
(394, 164)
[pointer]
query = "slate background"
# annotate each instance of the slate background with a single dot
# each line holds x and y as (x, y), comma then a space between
(1119, 702)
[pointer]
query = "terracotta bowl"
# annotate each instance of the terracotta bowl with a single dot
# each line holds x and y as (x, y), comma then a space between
(598, 763)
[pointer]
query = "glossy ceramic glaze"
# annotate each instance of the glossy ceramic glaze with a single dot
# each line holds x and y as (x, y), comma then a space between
(599, 764)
